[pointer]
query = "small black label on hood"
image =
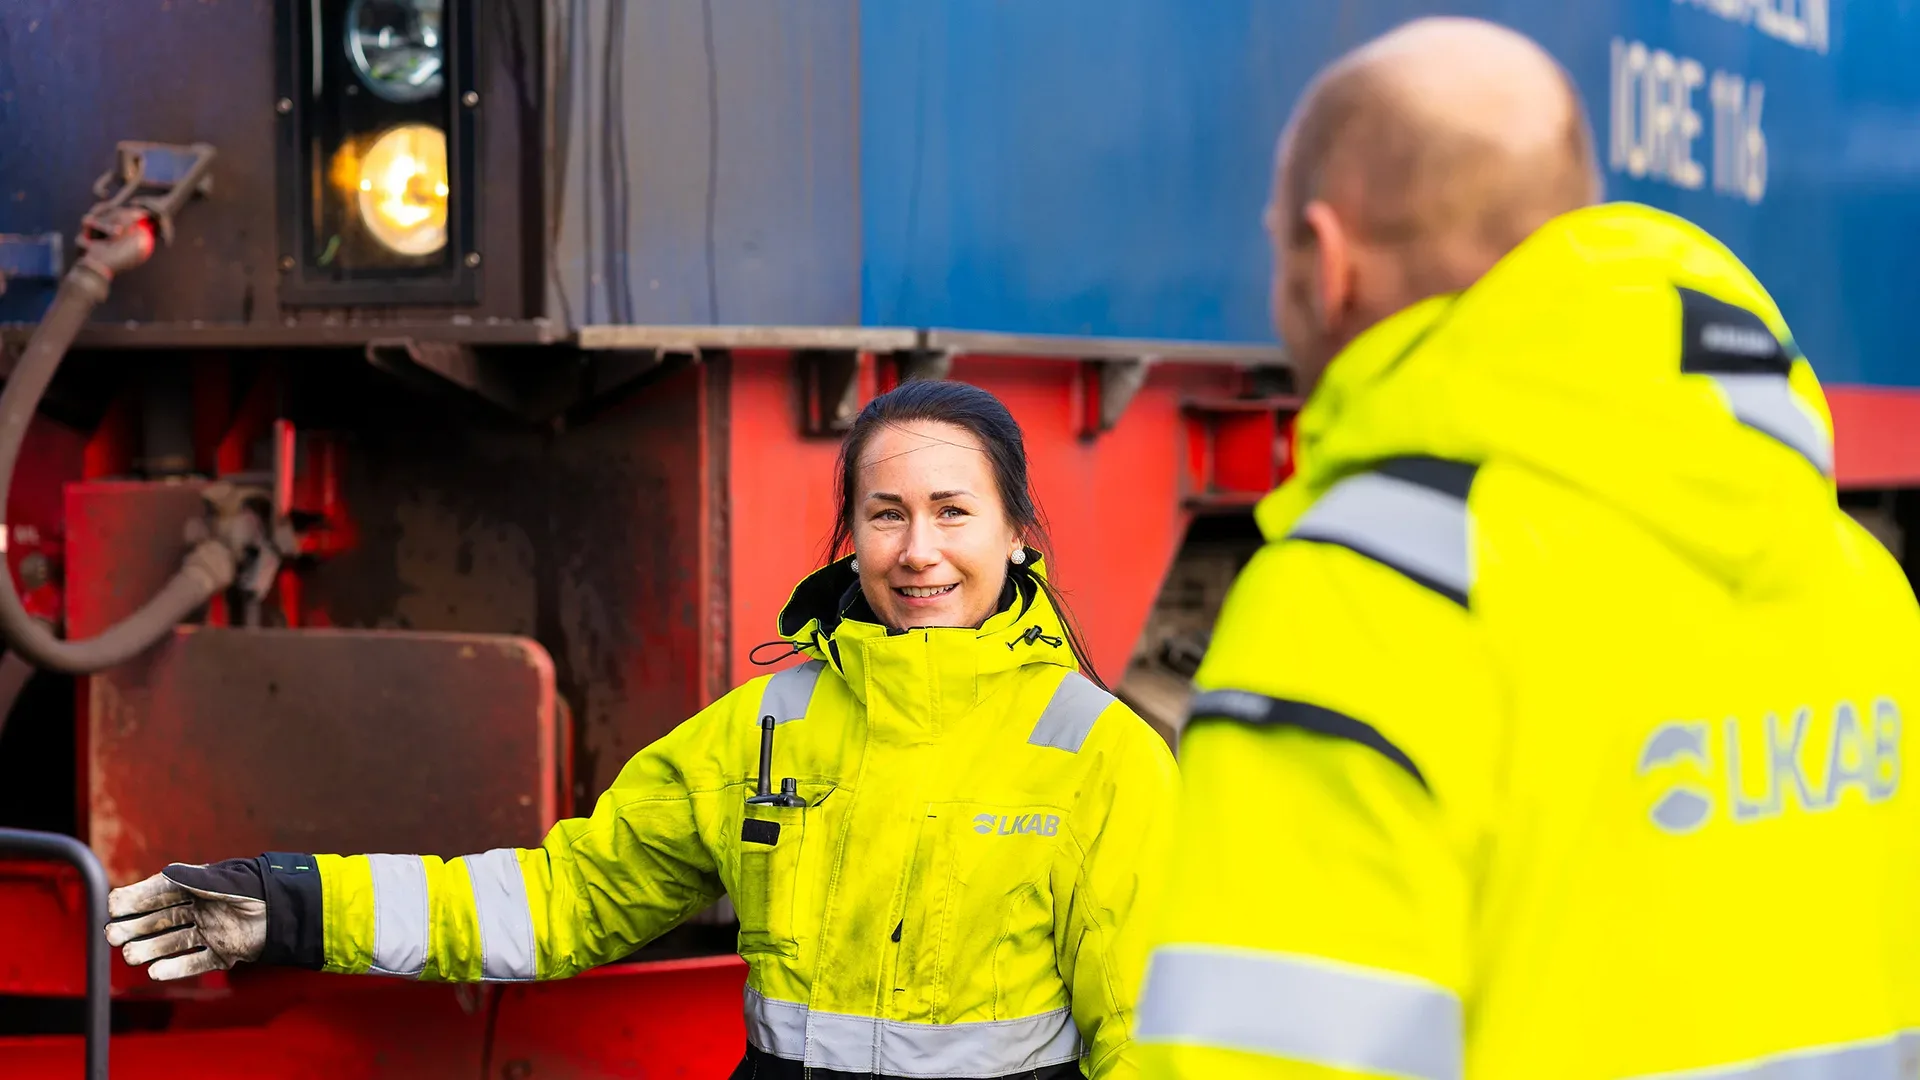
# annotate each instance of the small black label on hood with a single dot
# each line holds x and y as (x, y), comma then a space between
(1718, 338)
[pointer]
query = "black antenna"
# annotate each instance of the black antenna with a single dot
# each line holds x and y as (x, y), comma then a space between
(789, 787)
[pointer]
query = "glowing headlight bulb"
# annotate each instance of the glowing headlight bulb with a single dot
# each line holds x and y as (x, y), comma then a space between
(403, 189)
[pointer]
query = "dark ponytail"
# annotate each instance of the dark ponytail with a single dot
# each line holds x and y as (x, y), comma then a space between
(980, 413)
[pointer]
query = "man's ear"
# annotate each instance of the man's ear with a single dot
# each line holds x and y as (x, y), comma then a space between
(1332, 285)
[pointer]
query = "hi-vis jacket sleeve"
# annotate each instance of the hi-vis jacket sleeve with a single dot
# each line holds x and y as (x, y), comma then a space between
(1123, 830)
(1336, 771)
(593, 891)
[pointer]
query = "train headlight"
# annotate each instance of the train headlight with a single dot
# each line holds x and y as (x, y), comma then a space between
(378, 159)
(403, 189)
(397, 47)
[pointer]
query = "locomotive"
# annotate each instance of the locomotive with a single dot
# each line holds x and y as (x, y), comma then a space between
(416, 407)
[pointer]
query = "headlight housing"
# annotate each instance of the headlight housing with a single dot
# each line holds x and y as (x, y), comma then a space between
(377, 158)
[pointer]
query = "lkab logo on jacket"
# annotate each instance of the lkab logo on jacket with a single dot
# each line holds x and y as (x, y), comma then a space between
(1782, 763)
(1030, 824)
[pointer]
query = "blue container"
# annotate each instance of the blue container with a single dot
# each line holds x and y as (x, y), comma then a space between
(1064, 167)
(1098, 167)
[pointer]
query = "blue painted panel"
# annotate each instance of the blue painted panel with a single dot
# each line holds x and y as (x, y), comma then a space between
(1086, 167)
(1022, 172)
(1098, 166)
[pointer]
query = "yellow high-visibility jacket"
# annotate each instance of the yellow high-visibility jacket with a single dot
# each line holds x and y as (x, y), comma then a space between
(954, 898)
(1558, 728)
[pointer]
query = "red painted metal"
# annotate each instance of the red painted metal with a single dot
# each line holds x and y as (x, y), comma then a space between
(1238, 449)
(251, 423)
(51, 456)
(675, 1019)
(644, 1021)
(326, 528)
(109, 449)
(307, 477)
(1874, 436)
(212, 409)
(125, 539)
(779, 499)
(285, 459)
(42, 930)
(1111, 501)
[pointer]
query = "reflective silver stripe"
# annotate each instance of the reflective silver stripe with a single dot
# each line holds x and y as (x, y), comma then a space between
(1069, 717)
(506, 920)
(1242, 705)
(1301, 1009)
(1416, 530)
(788, 693)
(865, 1044)
(399, 915)
(1894, 1057)
(1249, 708)
(1766, 403)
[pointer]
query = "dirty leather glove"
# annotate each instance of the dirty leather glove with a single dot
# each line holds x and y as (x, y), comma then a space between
(190, 919)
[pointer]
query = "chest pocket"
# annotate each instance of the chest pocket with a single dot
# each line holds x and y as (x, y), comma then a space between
(770, 879)
(976, 937)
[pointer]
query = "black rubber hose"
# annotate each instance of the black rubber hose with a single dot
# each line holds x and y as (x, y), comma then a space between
(208, 568)
(99, 979)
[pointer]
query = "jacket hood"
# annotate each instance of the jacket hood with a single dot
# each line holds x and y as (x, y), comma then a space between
(1566, 359)
(828, 618)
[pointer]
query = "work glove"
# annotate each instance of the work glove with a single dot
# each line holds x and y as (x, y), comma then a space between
(190, 919)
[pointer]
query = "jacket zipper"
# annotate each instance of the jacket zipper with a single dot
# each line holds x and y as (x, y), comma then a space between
(900, 925)
(906, 901)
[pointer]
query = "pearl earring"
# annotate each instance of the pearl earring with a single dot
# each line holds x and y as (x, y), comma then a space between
(1019, 555)
(853, 565)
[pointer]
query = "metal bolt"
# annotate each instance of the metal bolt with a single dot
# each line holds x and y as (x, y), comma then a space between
(470, 99)
(283, 106)
(473, 259)
(35, 570)
(286, 262)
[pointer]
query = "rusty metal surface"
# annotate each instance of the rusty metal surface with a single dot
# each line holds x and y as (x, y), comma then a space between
(1068, 347)
(125, 538)
(586, 539)
(224, 743)
(693, 339)
(310, 331)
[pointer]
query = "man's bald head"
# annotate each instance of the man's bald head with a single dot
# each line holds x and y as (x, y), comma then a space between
(1438, 148)
(1446, 132)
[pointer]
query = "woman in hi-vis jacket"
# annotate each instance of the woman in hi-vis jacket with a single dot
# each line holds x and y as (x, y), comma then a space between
(940, 877)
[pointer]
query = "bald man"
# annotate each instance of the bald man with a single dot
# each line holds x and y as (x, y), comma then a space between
(1558, 730)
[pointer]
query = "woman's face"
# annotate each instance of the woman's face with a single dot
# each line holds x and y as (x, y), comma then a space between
(929, 528)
